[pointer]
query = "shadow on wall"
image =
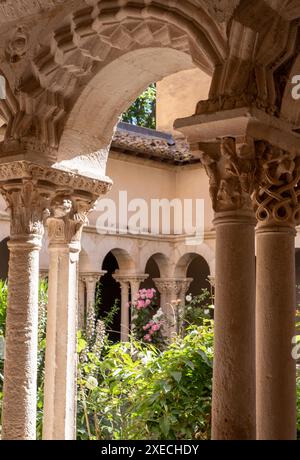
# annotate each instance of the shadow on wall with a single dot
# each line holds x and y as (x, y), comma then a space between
(198, 269)
(110, 291)
(4, 257)
(152, 270)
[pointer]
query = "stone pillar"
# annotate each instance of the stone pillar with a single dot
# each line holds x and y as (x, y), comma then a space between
(124, 285)
(231, 172)
(81, 303)
(91, 280)
(27, 204)
(172, 289)
(135, 282)
(277, 203)
(68, 216)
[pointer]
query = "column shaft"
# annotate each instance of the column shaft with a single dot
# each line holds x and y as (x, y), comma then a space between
(124, 311)
(20, 369)
(233, 411)
(275, 304)
(61, 360)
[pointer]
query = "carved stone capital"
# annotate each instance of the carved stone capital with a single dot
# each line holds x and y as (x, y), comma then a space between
(91, 279)
(276, 196)
(176, 286)
(231, 173)
(35, 193)
(28, 207)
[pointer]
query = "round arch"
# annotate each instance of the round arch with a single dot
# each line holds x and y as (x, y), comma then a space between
(116, 49)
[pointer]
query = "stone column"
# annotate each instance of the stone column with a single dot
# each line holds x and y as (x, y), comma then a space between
(27, 204)
(277, 203)
(231, 172)
(68, 216)
(91, 280)
(81, 302)
(135, 282)
(124, 284)
(172, 289)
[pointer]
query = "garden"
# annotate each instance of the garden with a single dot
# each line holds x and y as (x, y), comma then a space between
(156, 386)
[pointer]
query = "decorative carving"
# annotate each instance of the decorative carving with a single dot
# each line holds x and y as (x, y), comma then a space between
(34, 193)
(61, 179)
(174, 286)
(18, 45)
(28, 208)
(67, 219)
(231, 175)
(276, 196)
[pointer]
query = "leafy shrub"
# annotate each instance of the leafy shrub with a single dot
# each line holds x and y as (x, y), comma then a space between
(142, 393)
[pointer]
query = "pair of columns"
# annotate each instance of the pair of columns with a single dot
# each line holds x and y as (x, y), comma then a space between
(254, 378)
(36, 194)
(128, 284)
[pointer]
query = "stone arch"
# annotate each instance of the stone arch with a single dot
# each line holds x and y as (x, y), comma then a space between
(125, 261)
(185, 255)
(193, 265)
(162, 262)
(75, 57)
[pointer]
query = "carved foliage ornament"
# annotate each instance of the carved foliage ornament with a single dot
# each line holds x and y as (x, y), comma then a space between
(28, 206)
(231, 175)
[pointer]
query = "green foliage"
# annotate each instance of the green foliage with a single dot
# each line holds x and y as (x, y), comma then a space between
(142, 393)
(142, 111)
(3, 304)
(198, 308)
(298, 407)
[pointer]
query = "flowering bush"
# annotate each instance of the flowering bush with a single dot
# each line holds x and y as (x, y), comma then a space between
(147, 318)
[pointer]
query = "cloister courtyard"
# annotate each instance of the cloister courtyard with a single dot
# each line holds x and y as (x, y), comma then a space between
(149, 219)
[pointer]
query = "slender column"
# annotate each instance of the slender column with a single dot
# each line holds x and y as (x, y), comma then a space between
(91, 280)
(171, 289)
(233, 409)
(20, 368)
(277, 204)
(124, 284)
(135, 283)
(60, 364)
(81, 303)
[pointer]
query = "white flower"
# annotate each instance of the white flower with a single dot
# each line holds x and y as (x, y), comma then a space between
(206, 312)
(189, 298)
(91, 383)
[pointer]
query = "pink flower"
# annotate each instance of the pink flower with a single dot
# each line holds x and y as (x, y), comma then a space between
(147, 302)
(147, 327)
(148, 338)
(150, 293)
(140, 304)
(155, 327)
